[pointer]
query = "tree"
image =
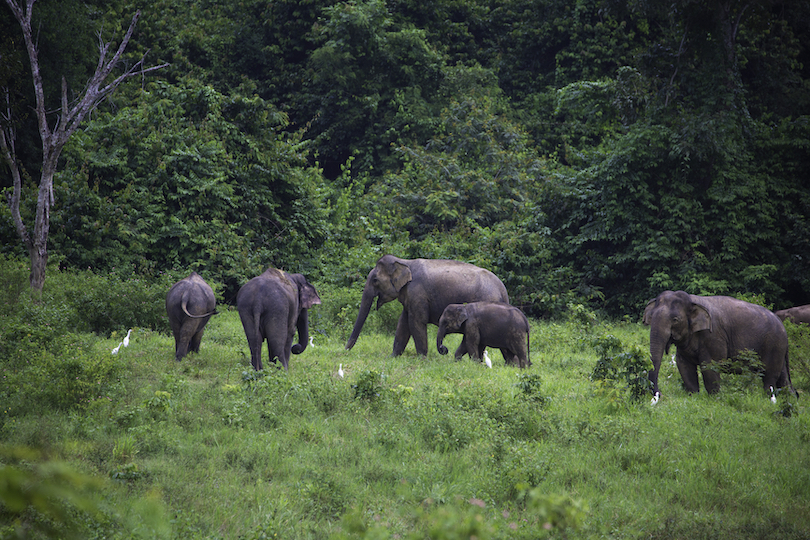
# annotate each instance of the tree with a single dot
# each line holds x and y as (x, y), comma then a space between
(54, 138)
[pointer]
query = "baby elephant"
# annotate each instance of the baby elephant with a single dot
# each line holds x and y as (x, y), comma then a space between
(487, 324)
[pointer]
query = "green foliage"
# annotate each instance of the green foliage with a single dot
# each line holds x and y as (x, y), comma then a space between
(43, 497)
(529, 385)
(617, 365)
(217, 188)
(369, 385)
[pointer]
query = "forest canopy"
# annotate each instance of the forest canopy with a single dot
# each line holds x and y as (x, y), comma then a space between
(590, 151)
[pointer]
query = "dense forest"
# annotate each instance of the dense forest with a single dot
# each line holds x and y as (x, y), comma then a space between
(592, 151)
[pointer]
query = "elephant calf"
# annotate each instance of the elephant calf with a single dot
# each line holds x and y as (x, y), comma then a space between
(189, 304)
(487, 324)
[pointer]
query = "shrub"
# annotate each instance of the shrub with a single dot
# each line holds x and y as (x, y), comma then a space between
(369, 385)
(628, 367)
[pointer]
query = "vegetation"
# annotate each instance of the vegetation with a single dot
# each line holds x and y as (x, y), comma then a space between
(137, 445)
(590, 153)
(593, 152)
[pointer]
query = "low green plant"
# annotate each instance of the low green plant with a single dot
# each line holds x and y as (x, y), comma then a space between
(625, 367)
(369, 385)
(529, 386)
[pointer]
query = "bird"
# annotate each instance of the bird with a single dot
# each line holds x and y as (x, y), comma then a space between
(340, 371)
(115, 350)
(311, 343)
(655, 398)
(126, 339)
(773, 396)
(487, 361)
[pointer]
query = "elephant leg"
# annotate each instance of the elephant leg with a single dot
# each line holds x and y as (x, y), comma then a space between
(509, 357)
(418, 330)
(462, 348)
(180, 346)
(196, 339)
(711, 380)
(402, 335)
(256, 354)
(689, 375)
(474, 346)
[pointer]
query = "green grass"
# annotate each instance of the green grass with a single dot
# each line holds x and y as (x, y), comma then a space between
(403, 447)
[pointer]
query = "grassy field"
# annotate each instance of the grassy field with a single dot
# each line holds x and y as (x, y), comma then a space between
(403, 447)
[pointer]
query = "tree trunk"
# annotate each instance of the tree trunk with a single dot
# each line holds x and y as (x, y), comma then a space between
(53, 140)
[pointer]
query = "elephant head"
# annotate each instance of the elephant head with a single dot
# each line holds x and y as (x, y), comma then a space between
(673, 318)
(307, 297)
(384, 282)
(450, 322)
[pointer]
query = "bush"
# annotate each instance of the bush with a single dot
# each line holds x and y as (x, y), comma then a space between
(616, 366)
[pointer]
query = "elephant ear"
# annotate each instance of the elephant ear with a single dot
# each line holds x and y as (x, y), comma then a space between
(700, 318)
(400, 275)
(308, 296)
(651, 305)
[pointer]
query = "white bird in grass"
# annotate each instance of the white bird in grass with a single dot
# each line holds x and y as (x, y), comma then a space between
(115, 350)
(126, 339)
(655, 398)
(487, 361)
(311, 344)
(773, 396)
(340, 371)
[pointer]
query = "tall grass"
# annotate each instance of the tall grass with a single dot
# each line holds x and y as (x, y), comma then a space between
(403, 447)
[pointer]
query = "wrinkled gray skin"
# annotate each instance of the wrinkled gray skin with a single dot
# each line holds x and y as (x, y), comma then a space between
(487, 324)
(798, 314)
(273, 306)
(424, 287)
(190, 303)
(707, 328)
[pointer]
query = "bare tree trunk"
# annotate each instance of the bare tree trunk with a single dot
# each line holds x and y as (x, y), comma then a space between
(53, 140)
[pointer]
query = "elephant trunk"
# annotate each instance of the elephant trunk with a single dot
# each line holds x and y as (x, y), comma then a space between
(659, 340)
(365, 308)
(440, 338)
(303, 332)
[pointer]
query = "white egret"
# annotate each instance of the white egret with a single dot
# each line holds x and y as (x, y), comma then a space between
(126, 339)
(311, 343)
(487, 361)
(655, 398)
(115, 350)
(773, 396)
(340, 371)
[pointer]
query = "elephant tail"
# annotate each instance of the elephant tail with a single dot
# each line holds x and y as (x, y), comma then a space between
(184, 305)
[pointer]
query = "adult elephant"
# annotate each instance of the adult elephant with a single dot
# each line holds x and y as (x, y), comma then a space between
(272, 306)
(798, 314)
(708, 328)
(190, 303)
(424, 287)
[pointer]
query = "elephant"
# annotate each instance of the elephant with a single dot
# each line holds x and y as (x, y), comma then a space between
(798, 314)
(487, 324)
(424, 287)
(190, 303)
(272, 306)
(712, 328)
